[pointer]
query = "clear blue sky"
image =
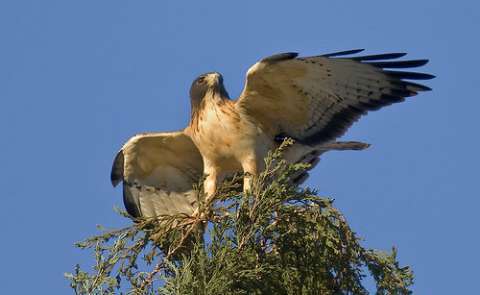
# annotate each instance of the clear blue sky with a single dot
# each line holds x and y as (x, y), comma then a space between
(78, 78)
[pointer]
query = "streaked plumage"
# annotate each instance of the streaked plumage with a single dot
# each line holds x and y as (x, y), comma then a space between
(313, 100)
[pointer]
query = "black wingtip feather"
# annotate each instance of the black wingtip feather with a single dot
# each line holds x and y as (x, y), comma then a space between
(400, 64)
(416, 87)
(130, 200)
(392, 98)
(341, 53)
(116, 174)
(405, 92)
(380, 56)
(409, 75)
(280, 57)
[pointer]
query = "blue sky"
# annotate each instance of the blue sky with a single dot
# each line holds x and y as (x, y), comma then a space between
(78, 78)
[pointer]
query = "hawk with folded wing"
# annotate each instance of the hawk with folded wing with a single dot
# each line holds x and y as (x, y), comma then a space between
(313, 100)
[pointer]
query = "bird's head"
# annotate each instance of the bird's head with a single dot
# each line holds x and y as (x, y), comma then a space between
(209, 84)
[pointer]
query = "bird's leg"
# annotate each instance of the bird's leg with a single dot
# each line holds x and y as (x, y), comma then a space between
(250, 170)
(209, 185)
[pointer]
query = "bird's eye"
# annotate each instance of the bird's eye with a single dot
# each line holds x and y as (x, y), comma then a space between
(201, 80)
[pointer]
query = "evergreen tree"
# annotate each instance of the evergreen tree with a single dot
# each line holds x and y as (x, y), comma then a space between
(278, 239)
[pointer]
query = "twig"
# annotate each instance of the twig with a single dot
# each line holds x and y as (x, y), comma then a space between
(159, 266)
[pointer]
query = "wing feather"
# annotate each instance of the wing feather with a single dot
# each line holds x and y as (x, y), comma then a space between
(316, 99)
(158, 171)
(342, 53)
(379, 56)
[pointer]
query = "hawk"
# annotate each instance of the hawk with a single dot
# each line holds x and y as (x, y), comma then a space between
(313, 100)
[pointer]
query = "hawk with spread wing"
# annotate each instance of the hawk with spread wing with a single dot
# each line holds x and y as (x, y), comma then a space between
(313, 100)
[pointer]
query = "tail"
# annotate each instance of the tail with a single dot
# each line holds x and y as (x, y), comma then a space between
(299, 153)
(343, 146)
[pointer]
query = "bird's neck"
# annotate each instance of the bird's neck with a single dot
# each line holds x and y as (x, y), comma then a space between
(212, 100)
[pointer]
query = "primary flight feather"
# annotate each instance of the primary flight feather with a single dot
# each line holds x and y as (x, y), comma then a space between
(313, 100)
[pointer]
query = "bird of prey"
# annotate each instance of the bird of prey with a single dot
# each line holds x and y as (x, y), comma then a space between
(313, 100)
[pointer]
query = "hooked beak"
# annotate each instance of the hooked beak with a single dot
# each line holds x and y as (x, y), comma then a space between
(217, 84)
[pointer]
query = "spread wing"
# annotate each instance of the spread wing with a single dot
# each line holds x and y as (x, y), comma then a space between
(316, 99)
(158, 171)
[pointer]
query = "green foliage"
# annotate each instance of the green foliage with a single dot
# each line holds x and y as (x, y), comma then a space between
(278, 239)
